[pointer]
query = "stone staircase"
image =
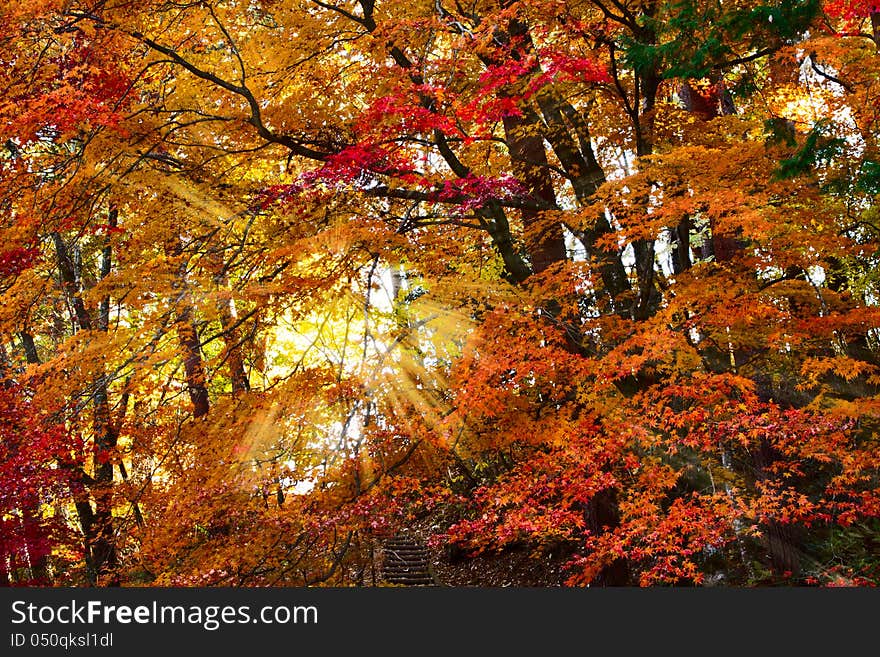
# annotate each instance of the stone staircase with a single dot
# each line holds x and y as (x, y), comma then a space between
(405, 562)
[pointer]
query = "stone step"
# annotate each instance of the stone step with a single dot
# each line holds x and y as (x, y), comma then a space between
(397, 556)
(406, 562)
(422, 581)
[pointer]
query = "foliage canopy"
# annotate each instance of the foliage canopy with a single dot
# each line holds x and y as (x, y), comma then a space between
(586, 278)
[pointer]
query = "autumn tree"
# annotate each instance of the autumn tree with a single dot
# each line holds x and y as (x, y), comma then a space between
(593, 278)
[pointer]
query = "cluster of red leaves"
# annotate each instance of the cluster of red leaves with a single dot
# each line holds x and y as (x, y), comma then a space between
(851, 14)
(695, 462)
(503, 87)
(16, 260)
(84, 92)
(393, 115)
(851, 9)
(475, 191)
(554, 66)
(562, 67)
(545, 501)
(32, 479)
(353, 163)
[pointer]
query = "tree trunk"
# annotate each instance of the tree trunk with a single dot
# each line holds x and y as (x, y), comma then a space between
(586, 176)
(782, 540)
(544, 239)
(602, 513)
(875, 27)
(97, 525)
(188, 336)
